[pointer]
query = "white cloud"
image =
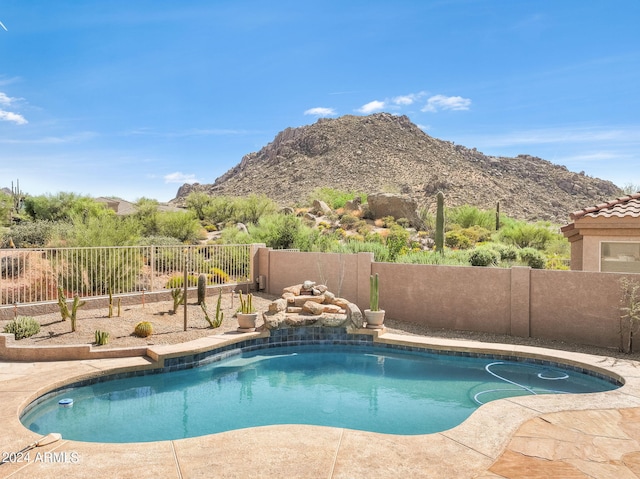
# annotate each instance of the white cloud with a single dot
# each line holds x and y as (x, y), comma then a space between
(179, 177)
(6, 100)
(408, 99)
(14, 117)
(320, 111)
(441, 102)
(372, 107)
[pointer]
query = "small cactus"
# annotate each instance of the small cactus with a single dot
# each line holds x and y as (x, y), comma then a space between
(202, 288)
(178, 297)
(110, 292)
(214, 323)
(102, 337)
(143, 329)
(62, 304)
(373, 293)
(246, 306)
(77, 304)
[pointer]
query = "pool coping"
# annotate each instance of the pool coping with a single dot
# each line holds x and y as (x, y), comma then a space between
(293, 450)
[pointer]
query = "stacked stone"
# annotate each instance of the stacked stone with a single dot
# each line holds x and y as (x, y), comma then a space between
(308, 304)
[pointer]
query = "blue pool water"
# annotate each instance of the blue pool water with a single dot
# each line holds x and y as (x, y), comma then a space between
(365, 388)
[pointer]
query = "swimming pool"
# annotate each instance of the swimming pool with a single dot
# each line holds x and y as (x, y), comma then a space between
(360, 387)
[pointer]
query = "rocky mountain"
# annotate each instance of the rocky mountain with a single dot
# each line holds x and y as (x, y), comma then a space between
(388, 153)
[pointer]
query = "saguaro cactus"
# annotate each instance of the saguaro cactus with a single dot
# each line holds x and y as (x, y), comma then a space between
(202, 288)
(440, 223)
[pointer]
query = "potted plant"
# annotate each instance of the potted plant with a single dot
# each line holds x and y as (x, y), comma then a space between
(374, 315)
(247, 315)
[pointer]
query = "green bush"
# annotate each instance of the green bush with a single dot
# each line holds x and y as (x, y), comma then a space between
(177, 281)
(532, 257)
(484, 257)
(397, 241)
(349, 221)
(467, 216)
(527, 235)
(217, 276)
(457, 239)
(334, 198)
(506, 252)
(29, 234)
(22, 327)
(451, 258)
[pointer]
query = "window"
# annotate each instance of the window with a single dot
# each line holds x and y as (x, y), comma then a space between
(620, 257)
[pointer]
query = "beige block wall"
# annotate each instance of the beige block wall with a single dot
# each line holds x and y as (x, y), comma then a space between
(451, 297)
(576, 306)
(346, 275)
(573, 306)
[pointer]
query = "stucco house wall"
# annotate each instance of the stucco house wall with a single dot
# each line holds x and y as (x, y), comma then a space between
(617, 221)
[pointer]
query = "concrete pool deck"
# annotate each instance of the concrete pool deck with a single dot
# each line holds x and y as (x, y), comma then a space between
(562, 436)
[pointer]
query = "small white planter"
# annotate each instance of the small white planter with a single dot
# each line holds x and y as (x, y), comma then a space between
(375, 319)
(247, 322)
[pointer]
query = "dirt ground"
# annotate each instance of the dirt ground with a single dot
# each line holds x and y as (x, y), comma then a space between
(169, 328)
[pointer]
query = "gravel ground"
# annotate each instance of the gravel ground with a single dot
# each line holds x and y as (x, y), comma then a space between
(169, 328)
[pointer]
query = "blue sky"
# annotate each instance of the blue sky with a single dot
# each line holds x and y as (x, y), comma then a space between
(134, 98)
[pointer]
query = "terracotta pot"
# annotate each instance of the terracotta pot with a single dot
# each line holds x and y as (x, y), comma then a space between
(375, 319)
(247, 322)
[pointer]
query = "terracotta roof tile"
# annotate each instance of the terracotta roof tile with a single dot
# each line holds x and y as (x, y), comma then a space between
(620, 207)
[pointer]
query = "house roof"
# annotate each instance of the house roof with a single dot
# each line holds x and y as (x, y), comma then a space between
(625, 206)
(123, 207)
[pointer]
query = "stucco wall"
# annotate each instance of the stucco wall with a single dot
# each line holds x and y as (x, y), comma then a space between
(451, 297)
(576, 306)
(573, 306)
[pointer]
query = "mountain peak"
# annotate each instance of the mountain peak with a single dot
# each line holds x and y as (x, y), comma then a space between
(388, 153)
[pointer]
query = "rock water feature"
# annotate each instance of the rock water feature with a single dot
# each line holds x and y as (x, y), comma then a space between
(308, 304)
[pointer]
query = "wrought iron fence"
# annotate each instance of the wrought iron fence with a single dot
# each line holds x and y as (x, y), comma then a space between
(36, 275)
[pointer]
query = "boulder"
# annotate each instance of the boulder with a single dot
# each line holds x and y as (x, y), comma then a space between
(398, 206)
(320, 208)
(313, 308)
(300, 300)
(278, 305)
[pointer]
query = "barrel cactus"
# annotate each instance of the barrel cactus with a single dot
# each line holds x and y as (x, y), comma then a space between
(143, 329)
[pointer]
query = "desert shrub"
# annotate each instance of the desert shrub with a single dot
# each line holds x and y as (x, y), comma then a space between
(467, 216)
(281, 232)
(217, 276)
(22, 327)
(484, 257)
(526, 235)
(532, 257)
(64, 206)
(451, 258)
(177, 281)
(506, 252)
(388, 221)
(183, 226)
(457, 239)
(380, 251)
(254, 207)
(335, 198)
(557, 263)
(156, 240)
(349, 221)
(29, 234)
(397, 241)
